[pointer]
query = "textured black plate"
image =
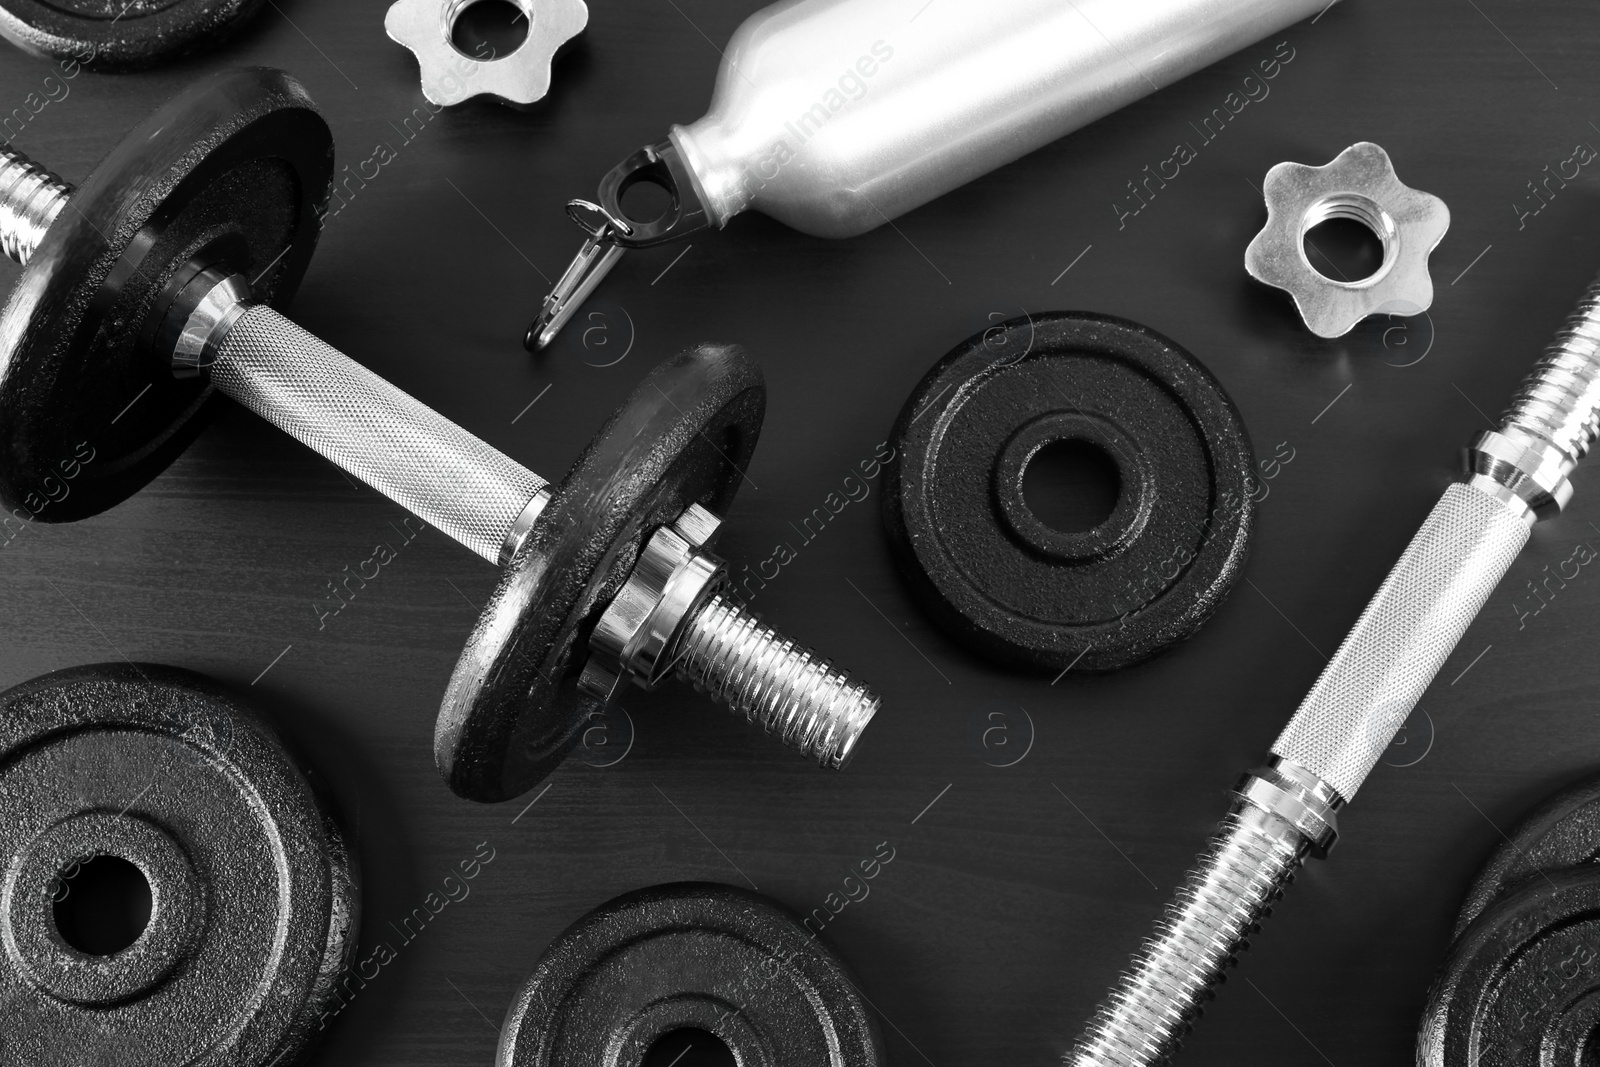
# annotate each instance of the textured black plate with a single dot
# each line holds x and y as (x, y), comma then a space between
(1564, 831)
(254, 905)
(1515, 973)
(690, 956)
(120, 34)
(1004, 583)
(235, 170)
(684, 436)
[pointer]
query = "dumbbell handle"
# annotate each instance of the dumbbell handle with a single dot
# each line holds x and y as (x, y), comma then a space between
(377, 432)
(1334, 739)
(1281, 814)
(456, 482)
(488, 502)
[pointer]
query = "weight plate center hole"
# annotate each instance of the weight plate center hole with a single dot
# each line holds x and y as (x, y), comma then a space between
(1348, 239)
(689, 1048)
(486, 30)
(1072, 486)
(102, 905)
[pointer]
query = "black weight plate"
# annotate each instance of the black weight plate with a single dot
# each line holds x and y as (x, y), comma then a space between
(1564, 831)
(1528, 961)
(253, 902)
(998, 579)
(120, 34)
(1573, 1040)
(690, 956)
(235, 170)
(684, 436)
(1543, 1004)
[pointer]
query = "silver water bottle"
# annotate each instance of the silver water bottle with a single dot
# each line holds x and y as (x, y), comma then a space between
(835, 116)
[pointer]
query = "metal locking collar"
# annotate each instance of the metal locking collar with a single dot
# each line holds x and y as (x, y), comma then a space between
(1360, 184)
(635, 636)
(450, 76)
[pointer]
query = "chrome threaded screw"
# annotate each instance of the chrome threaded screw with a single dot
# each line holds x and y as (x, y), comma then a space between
(1560, 400)
(1553, 419)
(1280, 814)
(672, 617)
(485, 500)
(1515, 476)
(1218, 905)
(729, 654)
(30, 199)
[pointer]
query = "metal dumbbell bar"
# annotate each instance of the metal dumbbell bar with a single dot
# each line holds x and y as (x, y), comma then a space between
(322, 398)
(1516, 476)
(668, 618)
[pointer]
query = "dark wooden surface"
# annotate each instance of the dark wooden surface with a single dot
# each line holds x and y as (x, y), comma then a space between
(1014, 899)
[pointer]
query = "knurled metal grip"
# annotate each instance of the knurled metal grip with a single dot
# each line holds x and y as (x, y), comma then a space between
(507, 720)
(378, 433)
(1515, 475)
(1333, 741)
(1403, 637)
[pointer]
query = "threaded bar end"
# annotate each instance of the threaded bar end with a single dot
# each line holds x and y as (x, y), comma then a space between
(1221, 901)
(728, 653)
(1560, 399)
(30, 199)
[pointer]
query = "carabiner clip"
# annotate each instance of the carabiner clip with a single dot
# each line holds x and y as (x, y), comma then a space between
(588, 269)
(610, 232)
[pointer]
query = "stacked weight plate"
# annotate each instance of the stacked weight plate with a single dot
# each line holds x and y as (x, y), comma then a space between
(118, 780)
(1522, 982)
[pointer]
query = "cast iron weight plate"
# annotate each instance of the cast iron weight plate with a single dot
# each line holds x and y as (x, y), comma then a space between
(120, 34)
(88, 414)
(1563, 832)
(684, 436)
(1006, 585)
(692, 955)
(253, 892)
(236, 171)
(1519, 985)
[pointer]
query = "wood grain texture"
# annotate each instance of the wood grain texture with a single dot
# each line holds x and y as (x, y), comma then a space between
(1014, 899)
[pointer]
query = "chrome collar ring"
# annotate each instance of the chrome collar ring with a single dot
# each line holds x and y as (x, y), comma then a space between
(1359, 184)
(450, 76)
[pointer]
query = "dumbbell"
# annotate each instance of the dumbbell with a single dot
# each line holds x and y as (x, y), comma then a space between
(154, 287)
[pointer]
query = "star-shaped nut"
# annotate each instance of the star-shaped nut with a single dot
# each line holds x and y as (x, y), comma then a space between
(1359, 184)
(450, 76)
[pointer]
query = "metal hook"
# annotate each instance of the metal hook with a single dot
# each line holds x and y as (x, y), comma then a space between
(579, 209)
(587, 270)
(610, 232)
